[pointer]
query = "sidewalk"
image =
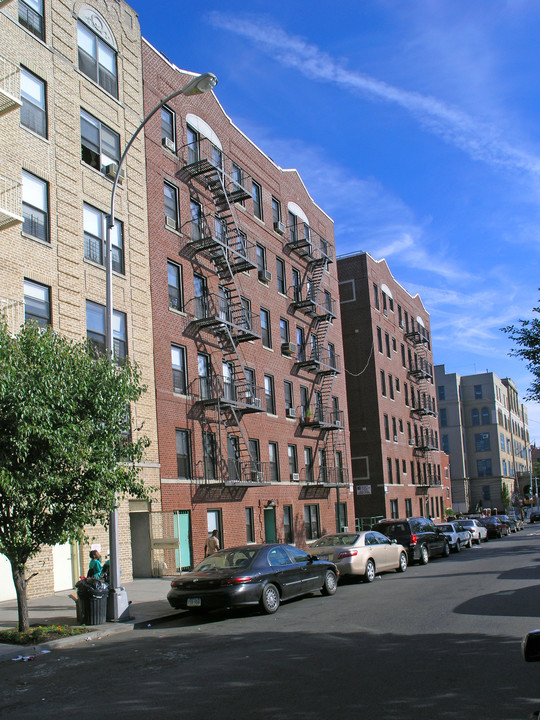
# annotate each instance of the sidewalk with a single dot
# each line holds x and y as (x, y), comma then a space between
(148, 598)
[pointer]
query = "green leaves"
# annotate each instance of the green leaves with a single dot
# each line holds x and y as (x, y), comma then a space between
(527, 337)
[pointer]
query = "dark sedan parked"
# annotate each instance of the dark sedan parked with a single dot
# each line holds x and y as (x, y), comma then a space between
(261, 575)
(420, 537)
(494, 526)
(534, 516)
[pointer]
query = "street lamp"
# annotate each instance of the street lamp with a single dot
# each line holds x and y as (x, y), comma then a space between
(118, 606)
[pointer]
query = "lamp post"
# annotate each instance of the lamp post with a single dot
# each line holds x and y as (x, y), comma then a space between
(118, 606)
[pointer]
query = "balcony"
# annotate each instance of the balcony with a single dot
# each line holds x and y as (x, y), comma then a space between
(219, 315)
(10, 202)
(417, 337)
(210, 237)
(313, 303)
(209, 165)
(329, 476)
(248, 473)
(419, 373)
(323, 418)
(320, 362)
(307, 244)
(423, 484)
(424, 412)
(10, 90)
(422, 447)
(242, 396)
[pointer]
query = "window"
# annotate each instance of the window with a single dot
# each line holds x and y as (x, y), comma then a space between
(269, 394)
(261, 258)
(486, 420)
(300, 344)
(387, 341)
(296, 284)
(383, 383)
(96, 330)
(95, 223)
(34, 103)
(265, 328)
(273, 456)
(171, 206)
(37, 303)
(209, 455)
(289, 399)
(100, 146)
(445, 445)
(205, 376)
(293, 461)
(406, 389)
(483, 467)
(276, 211)
(394, 429)
(281, 284)
(341, 517)
(477, 392)
(475, 416)
(376, 295)
(309, 464)
(35, 207)
(391, 386)
(398, 474)
(390, 471)
(288, 529)
(284, 330)
(174, 273)
(403, 360)
(168, 134)
(482, 442)
(183, 453)
(250, 525)
(386, 428)
(238, 180)
(443, 417)
(97, 59)
(408, 507)
(179, 371)
(441, 390)
(257, 200)
(311, 522)
(394, 509)
(379, 339)
(31, 17)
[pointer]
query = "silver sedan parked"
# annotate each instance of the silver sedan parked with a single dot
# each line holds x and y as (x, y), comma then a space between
(363, 553)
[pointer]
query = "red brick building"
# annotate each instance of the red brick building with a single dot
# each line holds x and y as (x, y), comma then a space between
(251, 399)
(397, 466)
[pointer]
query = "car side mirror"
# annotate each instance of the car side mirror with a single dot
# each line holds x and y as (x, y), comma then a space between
(530, 646)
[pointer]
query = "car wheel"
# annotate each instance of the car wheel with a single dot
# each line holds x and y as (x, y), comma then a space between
(330, 583)
(369, 575)
(270, 599)
(446, 549)
(402, 563)
(424, 555)
(457, 546)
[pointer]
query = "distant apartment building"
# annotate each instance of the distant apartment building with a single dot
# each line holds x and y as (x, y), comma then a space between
(251, 400)
(398, 467)
(70, 97)
(484, 429)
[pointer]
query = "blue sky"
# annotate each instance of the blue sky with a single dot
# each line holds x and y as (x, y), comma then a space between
(414, 125)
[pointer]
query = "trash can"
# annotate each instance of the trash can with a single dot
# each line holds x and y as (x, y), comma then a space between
(92, 601)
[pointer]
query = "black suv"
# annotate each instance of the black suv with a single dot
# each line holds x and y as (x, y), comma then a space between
(420, 536)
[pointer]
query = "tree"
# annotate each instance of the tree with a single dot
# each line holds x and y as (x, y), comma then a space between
(505, 497)
(526, 335)
(65, 444)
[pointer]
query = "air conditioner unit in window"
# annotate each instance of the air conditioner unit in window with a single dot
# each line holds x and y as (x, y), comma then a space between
(288, 348)
(296, 477)
(170, 222)
(257, 476)
(265, 276)
(290, 412)
(112, 169)
(395, 438)
(254, 401)
(168, 143)
(411, 442)
(279, 227)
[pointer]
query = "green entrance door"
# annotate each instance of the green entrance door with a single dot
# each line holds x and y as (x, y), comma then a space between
(269, 525)
(182, 531)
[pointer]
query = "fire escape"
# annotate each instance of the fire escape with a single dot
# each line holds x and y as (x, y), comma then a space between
(215, 238)
(423, 407)
(317, 355)
(10, 188)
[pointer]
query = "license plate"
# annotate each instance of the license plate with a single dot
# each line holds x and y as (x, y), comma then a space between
(194, 602)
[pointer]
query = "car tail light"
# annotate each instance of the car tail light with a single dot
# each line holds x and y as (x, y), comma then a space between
(347, 553)
(237, 580)
(414, 539)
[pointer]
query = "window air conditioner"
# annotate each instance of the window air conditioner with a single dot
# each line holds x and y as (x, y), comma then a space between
(168, 143)
(411, 442)
(296, 477)
(279, 227)
(290, 412)
(112, 169)
(395, 438)
(288, 348)
(265, 276)
(170, 222)
(257, 476)
(255, 401)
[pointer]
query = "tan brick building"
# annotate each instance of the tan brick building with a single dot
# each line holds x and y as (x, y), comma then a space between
(73, 74)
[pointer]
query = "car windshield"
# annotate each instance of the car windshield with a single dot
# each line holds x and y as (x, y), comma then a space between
(446, 528)
(467, 523)
(336, 540)
(392, 530)
(227, 559)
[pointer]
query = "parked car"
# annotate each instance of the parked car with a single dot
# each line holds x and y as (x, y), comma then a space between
(506, 523)
(534, 516)
(363, 553)
(261, 575)
(458, 535)
(474, 526)
(518, 521)
(494, 527)
(419, 536)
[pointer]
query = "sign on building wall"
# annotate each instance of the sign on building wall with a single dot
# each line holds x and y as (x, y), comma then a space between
(363, 489)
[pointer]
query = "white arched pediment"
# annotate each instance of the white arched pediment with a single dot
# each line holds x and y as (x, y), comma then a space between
(297, 210)
(99, 25)
(204, 129)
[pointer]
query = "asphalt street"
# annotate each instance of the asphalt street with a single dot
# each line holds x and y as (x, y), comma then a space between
(440, 641)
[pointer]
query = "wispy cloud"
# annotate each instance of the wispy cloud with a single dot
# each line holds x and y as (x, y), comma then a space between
(478, 139)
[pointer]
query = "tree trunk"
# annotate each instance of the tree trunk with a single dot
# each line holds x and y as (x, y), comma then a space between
(18, 571)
